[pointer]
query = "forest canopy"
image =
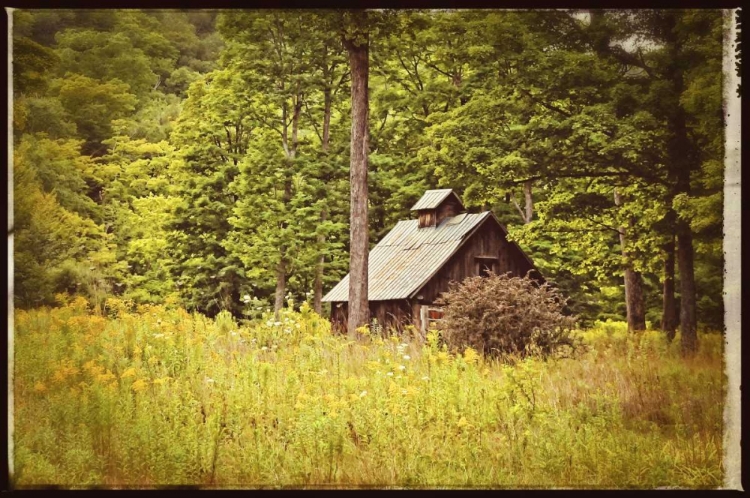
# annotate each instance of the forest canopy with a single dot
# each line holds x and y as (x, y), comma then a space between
(201, 158)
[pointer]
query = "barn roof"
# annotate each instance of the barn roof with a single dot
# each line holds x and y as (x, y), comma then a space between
(409, 256)
(432, 199)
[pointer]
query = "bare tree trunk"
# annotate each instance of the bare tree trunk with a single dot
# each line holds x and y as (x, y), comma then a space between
(290, 152)
(359, 65)
(318, 285)
(280, 288)
(529, 201)
(669, 304)
(688, 326)
(636, 310)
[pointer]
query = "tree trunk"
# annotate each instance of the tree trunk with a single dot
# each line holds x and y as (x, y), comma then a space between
(688, 326)
(669, 305)
(280, 288)
(529, 201)
(682, 158)
(359, 65)
(318, 285)
(291, 153)
(636, 310)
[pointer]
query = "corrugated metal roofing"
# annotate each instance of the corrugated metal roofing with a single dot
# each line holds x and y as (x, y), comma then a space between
(432, 199)
(408, 256)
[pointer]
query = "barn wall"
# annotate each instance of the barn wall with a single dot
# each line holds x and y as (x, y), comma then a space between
(389, 314)
(488, 240)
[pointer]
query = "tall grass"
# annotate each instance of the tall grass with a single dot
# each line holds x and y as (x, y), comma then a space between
(162, 397)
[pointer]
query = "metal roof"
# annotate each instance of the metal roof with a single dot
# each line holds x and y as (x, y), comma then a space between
(432, 199)
(409, 256)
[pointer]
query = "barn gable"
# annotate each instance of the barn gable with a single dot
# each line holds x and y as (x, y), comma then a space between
(414, 254)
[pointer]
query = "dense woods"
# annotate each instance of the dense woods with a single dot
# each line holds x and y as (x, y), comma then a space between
(203, 158)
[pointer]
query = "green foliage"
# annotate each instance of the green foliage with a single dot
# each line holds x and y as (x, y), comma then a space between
(195, 178)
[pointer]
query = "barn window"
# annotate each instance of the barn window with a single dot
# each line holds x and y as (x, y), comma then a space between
(485, 265)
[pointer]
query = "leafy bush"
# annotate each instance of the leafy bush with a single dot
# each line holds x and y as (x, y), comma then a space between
(505, 314)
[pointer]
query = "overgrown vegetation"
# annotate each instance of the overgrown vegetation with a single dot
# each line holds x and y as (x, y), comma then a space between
(153, 396)
(203, 156)
(506, 314)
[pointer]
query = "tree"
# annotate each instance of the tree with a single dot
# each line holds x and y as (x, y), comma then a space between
(356, 41)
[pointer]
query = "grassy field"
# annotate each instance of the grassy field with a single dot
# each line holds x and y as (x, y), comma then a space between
(154, 396)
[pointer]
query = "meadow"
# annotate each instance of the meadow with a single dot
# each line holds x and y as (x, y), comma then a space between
(151, 396)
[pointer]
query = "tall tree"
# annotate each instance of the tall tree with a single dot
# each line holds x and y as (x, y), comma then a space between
(357, 42)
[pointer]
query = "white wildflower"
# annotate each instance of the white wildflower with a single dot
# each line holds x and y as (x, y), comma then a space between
(401, 367)
(269, 323)
(277, 324)
(210, 380)
(407, 357)
(390, 374)
(404, 391)
(363, 394)
(158, 335)
(425, 378)
(264, 348)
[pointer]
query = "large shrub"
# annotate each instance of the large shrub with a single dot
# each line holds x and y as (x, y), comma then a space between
(504, 314)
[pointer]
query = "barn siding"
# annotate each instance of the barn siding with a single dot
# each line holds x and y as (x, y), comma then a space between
(389, 314)
(488, 240)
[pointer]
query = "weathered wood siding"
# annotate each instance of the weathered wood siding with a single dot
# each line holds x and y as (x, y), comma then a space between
(389, 314)
(488, 240)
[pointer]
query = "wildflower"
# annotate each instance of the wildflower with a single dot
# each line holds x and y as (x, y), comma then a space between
(276, 324)
(425, 378)
(269, 323)
(139, 385)
(462, 422)
(404, 391)
(264, 348)
(363, 394)
(161, 380)
(40, 387)
(390, 374)
(407, 357)
(210, 380)
(470, 356)
(130, 372)
(401, 367)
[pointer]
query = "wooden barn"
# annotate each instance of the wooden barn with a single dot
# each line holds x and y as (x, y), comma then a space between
(415, 262)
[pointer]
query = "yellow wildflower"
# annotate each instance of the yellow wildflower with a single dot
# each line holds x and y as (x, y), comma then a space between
(130, 372)
(462, 422)
(470, 356)
(139, 385)
(443, 357)
(40, 387)
(105, 377)
(161, 380)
